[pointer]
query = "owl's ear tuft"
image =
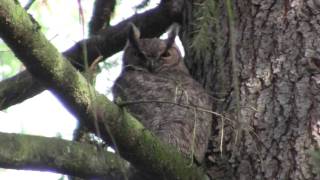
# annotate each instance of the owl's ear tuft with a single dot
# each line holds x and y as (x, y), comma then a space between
(173, 32)
(133, 35)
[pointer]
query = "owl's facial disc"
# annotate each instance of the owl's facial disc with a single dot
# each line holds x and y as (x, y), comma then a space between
(156, 64)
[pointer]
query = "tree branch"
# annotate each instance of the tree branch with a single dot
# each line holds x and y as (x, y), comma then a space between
(29, 4)
(61, 156)
(135, 144)
(18, 88)
(101, 15)
(106, 43)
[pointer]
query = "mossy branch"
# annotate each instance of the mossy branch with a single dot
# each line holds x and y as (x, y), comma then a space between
(57, 155)
(105, 43)
(44, 62)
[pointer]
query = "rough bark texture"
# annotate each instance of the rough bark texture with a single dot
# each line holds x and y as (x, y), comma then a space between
(277, 51)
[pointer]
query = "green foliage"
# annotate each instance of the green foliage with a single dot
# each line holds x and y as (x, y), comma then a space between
(9, 64)
(315, 155)
(110, 63)
(204, 25)
(62, 178)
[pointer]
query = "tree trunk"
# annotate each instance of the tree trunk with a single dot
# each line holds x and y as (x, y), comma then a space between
(266, 88)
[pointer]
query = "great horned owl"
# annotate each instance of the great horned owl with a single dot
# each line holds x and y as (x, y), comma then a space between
(160, 93)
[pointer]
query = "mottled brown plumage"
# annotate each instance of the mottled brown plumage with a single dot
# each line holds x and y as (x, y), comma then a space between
(162, 94)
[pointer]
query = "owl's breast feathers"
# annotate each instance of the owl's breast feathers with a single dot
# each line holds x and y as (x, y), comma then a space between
(169, 104)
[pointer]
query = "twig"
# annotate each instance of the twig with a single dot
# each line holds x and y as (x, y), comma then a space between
(222, 135)
(29, 4)
(198, 108)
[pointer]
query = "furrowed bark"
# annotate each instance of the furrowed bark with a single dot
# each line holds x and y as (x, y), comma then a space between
(277, 53)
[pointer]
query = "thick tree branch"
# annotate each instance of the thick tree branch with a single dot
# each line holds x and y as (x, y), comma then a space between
(109, 41)
(100, 19)
(101, 15)
(61, 156)
(43, 61)
(17, 88)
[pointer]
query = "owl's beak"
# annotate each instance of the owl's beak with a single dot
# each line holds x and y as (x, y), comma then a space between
(151, 65)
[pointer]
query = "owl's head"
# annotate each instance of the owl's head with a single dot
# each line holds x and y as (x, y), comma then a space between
(152, 55)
